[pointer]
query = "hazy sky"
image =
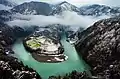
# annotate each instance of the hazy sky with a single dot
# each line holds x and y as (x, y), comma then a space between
(79, 2)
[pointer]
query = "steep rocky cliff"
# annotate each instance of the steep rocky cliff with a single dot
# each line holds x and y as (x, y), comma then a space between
(100, 47)
(10, 67)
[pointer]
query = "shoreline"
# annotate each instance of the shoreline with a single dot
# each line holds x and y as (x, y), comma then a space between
(49, 59)
(45, 57)
(42, 67)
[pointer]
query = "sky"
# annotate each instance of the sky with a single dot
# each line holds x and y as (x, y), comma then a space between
(78, 2)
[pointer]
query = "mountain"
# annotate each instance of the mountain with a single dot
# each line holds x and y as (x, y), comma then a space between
(64, 6)
(3, 7)
(5, 15)
(41, 8)
(88, 10)
(99, 10)
(100, 47)
(7, 3)
(36, 8)
(8, 64)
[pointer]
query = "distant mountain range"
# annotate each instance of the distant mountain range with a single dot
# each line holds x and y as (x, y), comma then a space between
(41, 8)
(7, 3)
(64, 6)
(98, 10)
(34, 8)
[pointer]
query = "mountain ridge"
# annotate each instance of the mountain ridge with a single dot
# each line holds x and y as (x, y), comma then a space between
(36, 8)
(99, 45)
(8, 3)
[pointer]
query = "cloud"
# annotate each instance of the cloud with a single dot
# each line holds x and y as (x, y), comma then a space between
(3, 7)
(67, 18)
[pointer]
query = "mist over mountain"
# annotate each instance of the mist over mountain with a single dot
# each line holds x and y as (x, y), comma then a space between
(7, 3)
(35, 8)
(42, 8)
(92, 29)
(3, 7)
(99, 10)
(41, 14)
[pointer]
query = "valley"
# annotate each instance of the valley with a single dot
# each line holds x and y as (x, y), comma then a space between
(54, 68)
(40, 40)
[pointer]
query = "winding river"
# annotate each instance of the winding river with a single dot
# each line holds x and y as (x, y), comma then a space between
(74, 61)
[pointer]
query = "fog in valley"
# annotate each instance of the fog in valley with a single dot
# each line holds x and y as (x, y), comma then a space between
(66, 18)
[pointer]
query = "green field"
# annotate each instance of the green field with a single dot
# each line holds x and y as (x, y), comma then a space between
(33, 43)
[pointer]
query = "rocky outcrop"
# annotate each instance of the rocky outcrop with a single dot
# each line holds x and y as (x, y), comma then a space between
(6, 34)
(10, 67)
(44, 44)
(100, 47)
(5, 15)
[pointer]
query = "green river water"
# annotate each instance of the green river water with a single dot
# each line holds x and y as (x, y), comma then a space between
(74, 61)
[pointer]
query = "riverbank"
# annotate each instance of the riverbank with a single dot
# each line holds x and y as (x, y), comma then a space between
(74, 62)
(100, 47)
(49, 59)
(11, 67)
(44, 48)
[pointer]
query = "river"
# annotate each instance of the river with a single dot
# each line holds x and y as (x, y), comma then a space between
(74, 61)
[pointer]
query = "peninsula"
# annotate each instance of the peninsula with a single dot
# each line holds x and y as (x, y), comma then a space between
(44, 48)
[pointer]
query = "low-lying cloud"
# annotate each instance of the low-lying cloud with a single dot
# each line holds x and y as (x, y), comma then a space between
(3, 7)
(66, 18)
